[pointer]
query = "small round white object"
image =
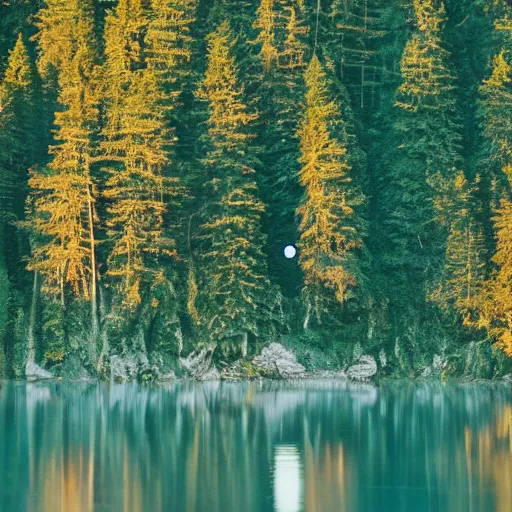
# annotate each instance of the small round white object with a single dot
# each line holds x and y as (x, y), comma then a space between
(290, 251)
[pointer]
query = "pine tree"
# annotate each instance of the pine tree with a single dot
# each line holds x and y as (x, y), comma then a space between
(331, 230)
(497, 102)
(462, 281)
(17, 111)
(421, 201)
(282, 59)
(266, 38)
(171, 51)
(15, 17)
(234, 293)
(496, 95)
(17, 153)
(4, 275)
(499, 321)
(169, 42)
(63, 194)
(55, 22)
(134, 148)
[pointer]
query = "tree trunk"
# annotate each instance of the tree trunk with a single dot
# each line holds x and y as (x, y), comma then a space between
(31, 348)
(4, 309)
(95, 327)
(245, 343)
(105, 345)
(307, 318)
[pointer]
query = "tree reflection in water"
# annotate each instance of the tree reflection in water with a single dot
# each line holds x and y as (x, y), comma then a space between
(303, 446)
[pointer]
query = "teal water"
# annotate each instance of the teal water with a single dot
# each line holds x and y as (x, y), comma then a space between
(247, 447)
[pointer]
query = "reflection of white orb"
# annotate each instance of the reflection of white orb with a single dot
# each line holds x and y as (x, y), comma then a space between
(290, 251)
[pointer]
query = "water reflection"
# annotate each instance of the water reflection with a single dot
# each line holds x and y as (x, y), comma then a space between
(305, 446)
(287, 479)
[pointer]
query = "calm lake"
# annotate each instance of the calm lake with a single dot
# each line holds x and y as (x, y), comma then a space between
(246, 447)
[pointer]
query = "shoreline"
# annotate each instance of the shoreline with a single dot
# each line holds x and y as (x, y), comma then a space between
(311, 378)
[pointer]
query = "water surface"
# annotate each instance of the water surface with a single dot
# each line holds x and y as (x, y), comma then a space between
(247, 447)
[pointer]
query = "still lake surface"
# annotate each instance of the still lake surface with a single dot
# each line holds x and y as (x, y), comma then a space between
(247, 447)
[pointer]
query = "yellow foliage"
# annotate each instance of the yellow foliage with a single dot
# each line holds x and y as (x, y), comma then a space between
(192, 296)
(327, 219)
(505, 342)
(265, 24)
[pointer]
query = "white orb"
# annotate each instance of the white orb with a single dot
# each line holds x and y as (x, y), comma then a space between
(290, 251)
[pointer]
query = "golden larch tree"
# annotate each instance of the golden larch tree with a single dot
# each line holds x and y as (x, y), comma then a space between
(331, 231)
(134, 150)
(63, 193)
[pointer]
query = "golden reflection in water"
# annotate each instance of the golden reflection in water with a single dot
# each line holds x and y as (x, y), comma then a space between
(492, 466)
(219, 455)
(325, 478)
(132, 496)
(64, 485)
(192, 469)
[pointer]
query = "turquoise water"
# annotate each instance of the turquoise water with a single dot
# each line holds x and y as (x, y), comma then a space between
(247, 447)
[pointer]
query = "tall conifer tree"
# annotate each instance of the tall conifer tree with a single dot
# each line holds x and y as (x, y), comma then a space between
(282, 59)
(331, 230)
(134, 148)
(422, 201)
(63, 194)
(17, 112)
(169, 42)
(55, 22)
(18, 150)
(497, 104)
(352, 41)
(461, 283)
(234, 292)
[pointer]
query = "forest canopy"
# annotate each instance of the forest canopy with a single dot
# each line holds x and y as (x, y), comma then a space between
(157, 156)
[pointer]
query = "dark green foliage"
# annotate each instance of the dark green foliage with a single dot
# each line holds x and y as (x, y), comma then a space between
(421, 203)
(235, 298)
(170, 149)
(331, 227)
(281, 43)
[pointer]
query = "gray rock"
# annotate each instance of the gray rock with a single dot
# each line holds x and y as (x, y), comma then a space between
(34, 372)
(200, 365)
(130, 367)
(276, 359)
(508, 378)
(212, 374)
(364, 370)
(235, 371)
(436, 368)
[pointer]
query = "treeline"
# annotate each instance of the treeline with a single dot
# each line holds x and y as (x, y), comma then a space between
(156, 156)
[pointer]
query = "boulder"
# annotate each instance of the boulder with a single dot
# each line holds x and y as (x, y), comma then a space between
(277, 359)
(200, 364)
(34, 372)
(436, 368)
(130, 367)
(508, 378)
(363, 370)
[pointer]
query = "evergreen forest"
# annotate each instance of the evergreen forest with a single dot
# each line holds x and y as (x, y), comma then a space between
(157, 156)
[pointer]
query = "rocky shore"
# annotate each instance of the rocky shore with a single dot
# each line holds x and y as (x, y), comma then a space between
(274, 362)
